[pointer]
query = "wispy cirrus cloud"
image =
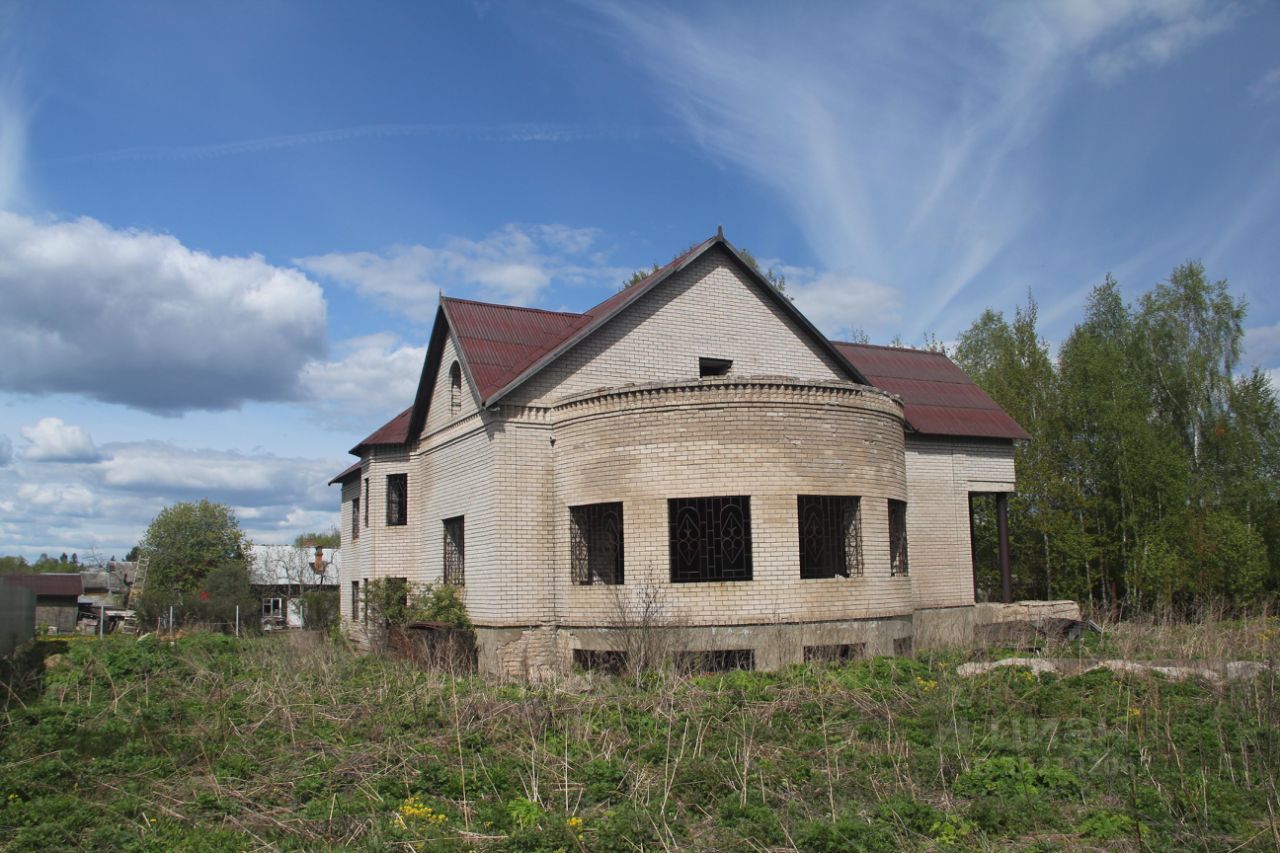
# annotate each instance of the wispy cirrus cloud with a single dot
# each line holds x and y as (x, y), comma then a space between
(898, 136)
(514, 264)
(512, 132)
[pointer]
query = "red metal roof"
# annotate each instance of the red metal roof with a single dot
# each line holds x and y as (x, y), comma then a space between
(56, 585)
(346, 475)
(938, 397)
(394, 431)
(499, 342)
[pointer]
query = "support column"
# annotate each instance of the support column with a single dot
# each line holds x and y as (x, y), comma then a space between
(1002, 528)
(973, 549)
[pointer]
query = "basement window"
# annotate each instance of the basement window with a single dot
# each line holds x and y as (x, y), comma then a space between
(835, 653)
(397, 500)
(454, 551)
(709, 539)
(718, 660)
(714, 367)
(897, 538)
(830, 536)
(595, 543)
(593, 660)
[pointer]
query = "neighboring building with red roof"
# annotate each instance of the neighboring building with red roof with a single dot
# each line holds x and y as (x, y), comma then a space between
(691, 453)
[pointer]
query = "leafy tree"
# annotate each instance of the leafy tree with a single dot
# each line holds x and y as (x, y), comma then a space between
(185, 543)
(330, 538)
(14, 565)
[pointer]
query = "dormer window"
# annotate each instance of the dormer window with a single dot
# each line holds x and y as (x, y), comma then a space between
(455, 389)
(714, 367)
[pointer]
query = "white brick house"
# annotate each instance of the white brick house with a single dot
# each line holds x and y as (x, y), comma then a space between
(691, 453)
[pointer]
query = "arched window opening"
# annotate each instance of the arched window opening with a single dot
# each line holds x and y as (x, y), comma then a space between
(455, 389)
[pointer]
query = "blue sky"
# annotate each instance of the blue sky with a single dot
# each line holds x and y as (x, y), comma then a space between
(224, 227)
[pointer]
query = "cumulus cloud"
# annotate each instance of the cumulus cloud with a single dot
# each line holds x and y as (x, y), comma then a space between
(139, 319)
(372, 375)
(51, 440)
(512, 265)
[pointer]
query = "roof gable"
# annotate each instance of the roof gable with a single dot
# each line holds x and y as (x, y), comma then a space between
(938, 397)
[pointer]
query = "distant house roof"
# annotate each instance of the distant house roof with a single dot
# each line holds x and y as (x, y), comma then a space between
(50, 584)
(285, 565)
(938, 397)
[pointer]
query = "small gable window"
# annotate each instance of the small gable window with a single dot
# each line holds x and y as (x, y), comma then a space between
(714, 367)
(455, 389)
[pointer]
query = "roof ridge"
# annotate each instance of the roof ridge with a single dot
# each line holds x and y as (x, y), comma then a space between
(512, 307)
(891, 347)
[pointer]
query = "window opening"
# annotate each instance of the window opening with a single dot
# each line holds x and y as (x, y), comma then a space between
(718, 660)
(366, 502)
(454, 551)
(709, 538)
(835, 653)
(592, 660)
(897, 538)
(830, 536)
(355, 600)
(397, 499)
(455, 389)
(714, 367)
(595, 543)
(355, 518)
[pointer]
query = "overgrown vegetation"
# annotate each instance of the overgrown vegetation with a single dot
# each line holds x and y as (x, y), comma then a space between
(1152, 480)
(217, 743)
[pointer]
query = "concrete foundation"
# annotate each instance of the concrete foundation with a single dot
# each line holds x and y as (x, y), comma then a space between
(943, 627)
(541, 652)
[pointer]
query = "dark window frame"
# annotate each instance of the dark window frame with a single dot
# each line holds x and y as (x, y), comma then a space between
(709, 539)
(355, 600)
(829, 530)
(355, 518)
(455, 550)
(397, 500)
(899, 566)
(597, 544)
(366, 502)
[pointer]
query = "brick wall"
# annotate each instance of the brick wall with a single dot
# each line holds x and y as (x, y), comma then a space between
(707, 309)
(941, 472)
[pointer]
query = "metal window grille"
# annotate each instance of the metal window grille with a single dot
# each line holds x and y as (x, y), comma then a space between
(454, 551)
(830, 536)
(355, 518)
(709, 539)
(366, 501)
(355, 600)
(397, 499)
(897, 538)
(595, 543)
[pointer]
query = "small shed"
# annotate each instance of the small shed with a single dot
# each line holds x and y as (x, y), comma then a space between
(17, 616)
(57, 598)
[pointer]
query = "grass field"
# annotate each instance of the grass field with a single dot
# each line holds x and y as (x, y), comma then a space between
(213, 743)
